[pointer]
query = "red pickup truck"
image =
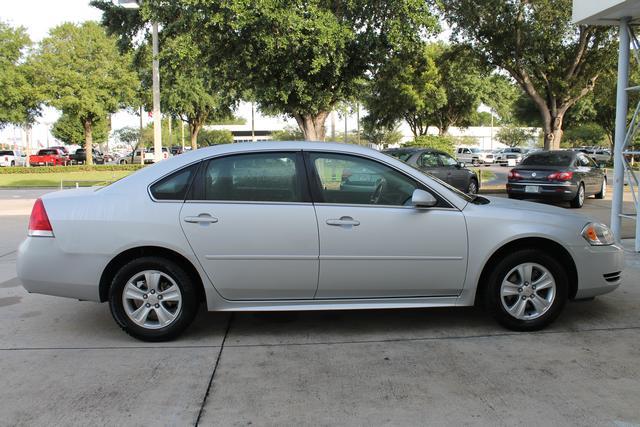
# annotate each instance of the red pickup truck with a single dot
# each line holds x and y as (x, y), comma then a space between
(49, 157)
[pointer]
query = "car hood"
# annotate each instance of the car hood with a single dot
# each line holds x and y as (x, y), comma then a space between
(539, 210)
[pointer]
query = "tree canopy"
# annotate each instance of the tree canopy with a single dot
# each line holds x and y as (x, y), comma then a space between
(555, 62)
(70, 130)
(20, 98)
(296, 58)
(428, 85)
(81, 72)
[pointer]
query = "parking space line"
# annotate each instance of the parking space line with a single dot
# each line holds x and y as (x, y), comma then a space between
(8, 253)
(213, 374)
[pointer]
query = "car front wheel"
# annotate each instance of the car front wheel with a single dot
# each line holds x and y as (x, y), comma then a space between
(153, 299)
(527, 290)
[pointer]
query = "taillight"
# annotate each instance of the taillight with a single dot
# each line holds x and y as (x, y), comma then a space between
(39, 225)
(560, 176)
(514, 175)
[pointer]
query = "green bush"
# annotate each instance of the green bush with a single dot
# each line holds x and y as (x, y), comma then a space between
(63, 169)
(437, 142)
(288, 134)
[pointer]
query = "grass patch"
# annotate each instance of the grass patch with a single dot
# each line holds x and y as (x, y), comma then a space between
(53, 179)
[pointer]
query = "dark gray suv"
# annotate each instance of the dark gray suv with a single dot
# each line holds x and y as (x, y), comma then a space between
(439, 164)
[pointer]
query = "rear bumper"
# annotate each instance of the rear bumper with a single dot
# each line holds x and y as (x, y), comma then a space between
(566, 191)
(599, 269)
(44, 269)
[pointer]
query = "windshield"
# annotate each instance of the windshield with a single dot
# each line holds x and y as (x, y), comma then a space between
(475, 150)
(549, 158)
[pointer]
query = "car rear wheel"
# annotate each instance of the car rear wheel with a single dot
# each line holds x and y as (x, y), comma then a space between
(578, 201)
(13, 163)
(603, 190)
(527, 290)
(475, 162)
(153, 299)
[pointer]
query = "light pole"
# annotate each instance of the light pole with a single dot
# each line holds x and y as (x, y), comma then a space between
(155, 71)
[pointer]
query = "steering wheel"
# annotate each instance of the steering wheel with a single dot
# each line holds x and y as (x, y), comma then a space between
(377, 193)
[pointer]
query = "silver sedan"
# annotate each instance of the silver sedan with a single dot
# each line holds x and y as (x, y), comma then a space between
(307, 226)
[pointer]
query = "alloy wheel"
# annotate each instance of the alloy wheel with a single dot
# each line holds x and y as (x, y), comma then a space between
(528, 291)
(152, 299)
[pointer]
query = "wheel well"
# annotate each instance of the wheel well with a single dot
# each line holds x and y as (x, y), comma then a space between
(121, 259)
(546, 245)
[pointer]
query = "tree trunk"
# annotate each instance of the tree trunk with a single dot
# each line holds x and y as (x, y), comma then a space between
(312, 125)
(552, 127)
(194, 128)
(88, 141)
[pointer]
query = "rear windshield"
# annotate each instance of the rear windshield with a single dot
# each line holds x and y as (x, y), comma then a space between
(400, 155)
(6, 153)
(45, 152)
(552, 158)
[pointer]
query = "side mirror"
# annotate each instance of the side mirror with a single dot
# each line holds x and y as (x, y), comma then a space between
(423, 199)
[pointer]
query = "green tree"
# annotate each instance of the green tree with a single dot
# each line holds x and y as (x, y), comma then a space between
(199, 93)
(555, 62)
(70, 130)
(296, 58)
(20, 98)
(407, 87)
(437, 142)
(82, 73)
(514, 136)
(501, 93)
(586, 134)
(380, 136)
(431, 85)
(207, 138)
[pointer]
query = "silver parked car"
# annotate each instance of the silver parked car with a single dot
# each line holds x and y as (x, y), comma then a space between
(287, 226)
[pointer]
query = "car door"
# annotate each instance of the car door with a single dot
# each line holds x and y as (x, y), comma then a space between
(585, 168)
(455, 175)
(376, 244)
(430, 163)
(252, 226)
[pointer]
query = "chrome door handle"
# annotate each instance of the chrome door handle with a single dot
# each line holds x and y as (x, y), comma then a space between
(204, 218)
(345, 220)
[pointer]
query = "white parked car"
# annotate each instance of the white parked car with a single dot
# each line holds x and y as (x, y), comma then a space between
(307, 226)
(513, 154)
(474, 156)
(12, 158)
(148, 157)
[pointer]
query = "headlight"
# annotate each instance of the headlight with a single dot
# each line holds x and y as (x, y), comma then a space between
(597, 234)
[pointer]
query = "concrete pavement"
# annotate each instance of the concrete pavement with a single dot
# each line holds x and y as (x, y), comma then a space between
(64, 362)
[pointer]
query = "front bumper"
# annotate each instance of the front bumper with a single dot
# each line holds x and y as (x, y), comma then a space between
(599, 269)
(43, 268)
(561, 191)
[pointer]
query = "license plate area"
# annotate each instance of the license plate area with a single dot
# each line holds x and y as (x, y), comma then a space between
(532, 189)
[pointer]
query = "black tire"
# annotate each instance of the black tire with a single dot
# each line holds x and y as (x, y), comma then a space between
(493, 299)
(603, 190)
(475, 162)
(514, 197)
(578, 201)
(188, 292)
(472, 188)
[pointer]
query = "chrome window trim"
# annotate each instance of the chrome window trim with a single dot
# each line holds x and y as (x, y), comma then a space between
(271, 150)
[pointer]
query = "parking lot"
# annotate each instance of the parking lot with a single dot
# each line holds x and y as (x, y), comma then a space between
(65, 362)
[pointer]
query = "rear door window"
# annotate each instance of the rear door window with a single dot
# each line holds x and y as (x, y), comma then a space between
(254, 177)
